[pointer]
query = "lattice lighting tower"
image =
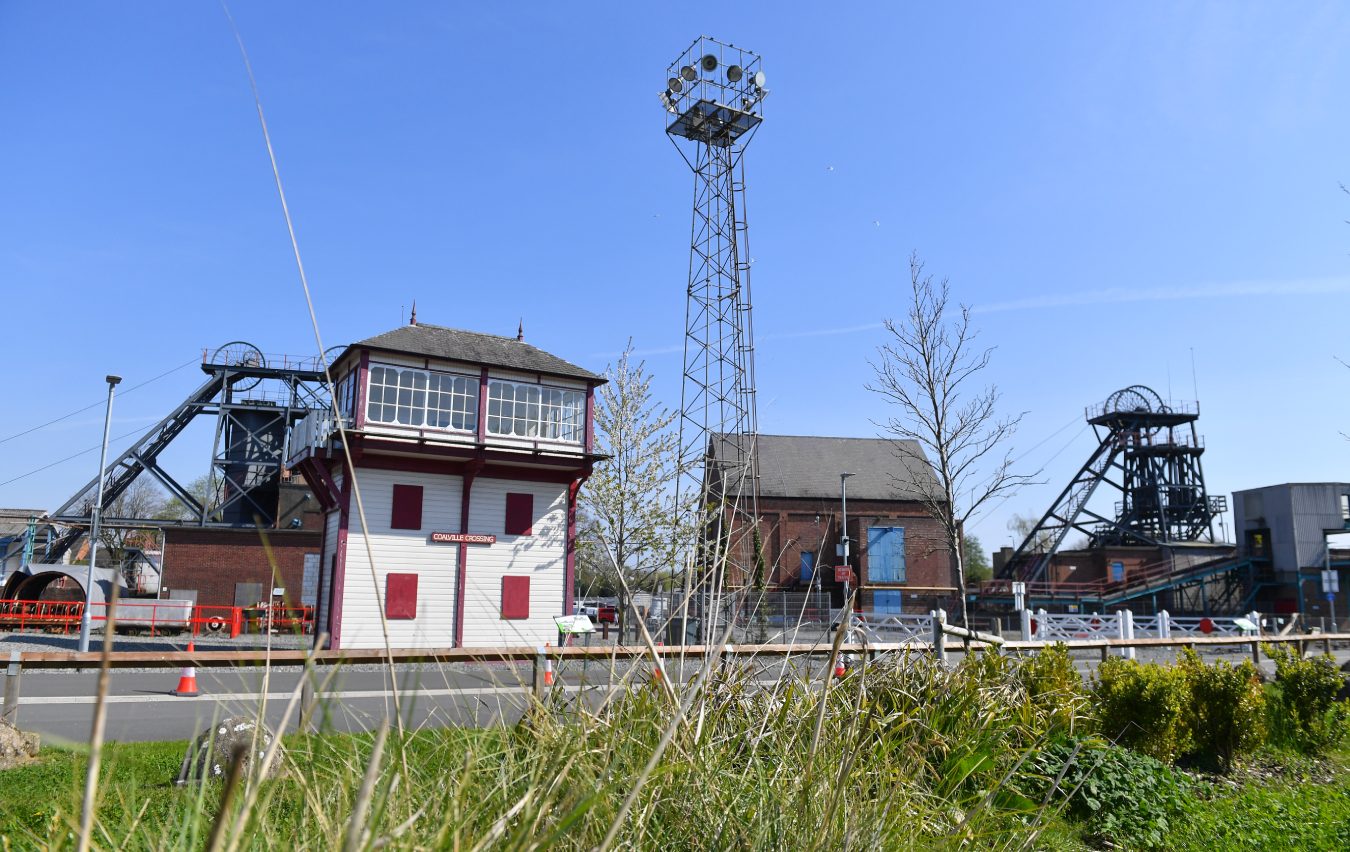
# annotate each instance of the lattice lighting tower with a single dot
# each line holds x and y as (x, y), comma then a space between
(713, 96)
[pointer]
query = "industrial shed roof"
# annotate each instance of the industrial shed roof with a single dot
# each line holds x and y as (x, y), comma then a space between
(455, 344)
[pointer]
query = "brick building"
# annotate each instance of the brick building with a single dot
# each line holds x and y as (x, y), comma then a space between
(231, 566)
(898, 550)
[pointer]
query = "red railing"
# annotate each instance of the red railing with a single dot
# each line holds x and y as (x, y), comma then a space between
(156, 617)
(1140, 575)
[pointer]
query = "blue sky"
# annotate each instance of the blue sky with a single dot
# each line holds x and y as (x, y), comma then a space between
(1115, 188)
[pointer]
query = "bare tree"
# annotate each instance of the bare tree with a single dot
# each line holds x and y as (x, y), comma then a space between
(143, 500)
(927, 369)
(629, 500)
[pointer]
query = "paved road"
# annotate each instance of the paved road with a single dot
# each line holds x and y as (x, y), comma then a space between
(59, 704)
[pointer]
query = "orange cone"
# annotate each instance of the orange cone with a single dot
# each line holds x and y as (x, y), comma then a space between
(548, 671)
(656, 669)
(839, 668)
(187, 681)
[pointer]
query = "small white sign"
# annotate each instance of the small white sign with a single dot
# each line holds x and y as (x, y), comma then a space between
(1331, 582)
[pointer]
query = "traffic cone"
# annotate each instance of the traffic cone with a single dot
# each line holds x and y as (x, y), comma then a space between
(839, 668)
(187, 681)
(548, 671)
(656, 669)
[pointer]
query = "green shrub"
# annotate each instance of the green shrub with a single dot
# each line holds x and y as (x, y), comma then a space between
(1227, 710)
(1118, 795)
(1144, 706)
(1055, 689)
(1303, 711)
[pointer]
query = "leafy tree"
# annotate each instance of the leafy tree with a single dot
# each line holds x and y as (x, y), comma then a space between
(1022, 525)
(176, 510)
(977, 561)
(926, 369)
(629, 500)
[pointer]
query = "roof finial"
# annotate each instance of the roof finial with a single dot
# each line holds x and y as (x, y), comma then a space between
(413, 319)
(520, 330)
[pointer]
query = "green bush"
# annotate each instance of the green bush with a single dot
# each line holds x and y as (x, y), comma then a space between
(1055, 689)
(1227, 709)
(1118, 795)
(1303, 713)
(1144, 706)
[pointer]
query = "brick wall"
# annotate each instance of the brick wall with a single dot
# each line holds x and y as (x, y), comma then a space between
(789, 526)
(211, 561)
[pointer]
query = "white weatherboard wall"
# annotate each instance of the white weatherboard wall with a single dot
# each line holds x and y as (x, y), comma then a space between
(402, 552)
(540, 556)
(331, 521)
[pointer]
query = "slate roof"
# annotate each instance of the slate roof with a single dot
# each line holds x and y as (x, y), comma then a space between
(808, 466)
(434, 341)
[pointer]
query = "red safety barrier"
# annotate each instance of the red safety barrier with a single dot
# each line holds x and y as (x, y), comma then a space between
(155, 617)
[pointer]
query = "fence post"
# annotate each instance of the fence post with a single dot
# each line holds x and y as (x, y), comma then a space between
(236, 617)
(939, 637)
(1025, 616)
(539, 666)
(1125, 630)
(1255, 618)
(9, 711)
(1164, 624)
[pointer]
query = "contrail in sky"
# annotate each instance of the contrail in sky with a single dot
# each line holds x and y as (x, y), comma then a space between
(1083, 298)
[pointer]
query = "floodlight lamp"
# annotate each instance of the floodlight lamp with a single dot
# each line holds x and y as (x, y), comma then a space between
(758, 79)
(708, 63)
(668, 103)
(734, 73)
(675, 84)
(689, 73)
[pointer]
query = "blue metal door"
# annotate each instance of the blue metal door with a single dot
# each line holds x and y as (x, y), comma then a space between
(886, 554)
(808, 569)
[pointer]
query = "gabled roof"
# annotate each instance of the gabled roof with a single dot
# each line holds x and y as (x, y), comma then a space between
(808, 466)
(434, 341)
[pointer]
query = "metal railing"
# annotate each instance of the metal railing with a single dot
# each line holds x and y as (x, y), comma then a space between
(156, 617)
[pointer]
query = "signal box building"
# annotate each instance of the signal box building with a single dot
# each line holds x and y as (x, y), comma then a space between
(466, 452)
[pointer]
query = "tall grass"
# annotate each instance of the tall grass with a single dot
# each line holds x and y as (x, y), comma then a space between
(909, 754)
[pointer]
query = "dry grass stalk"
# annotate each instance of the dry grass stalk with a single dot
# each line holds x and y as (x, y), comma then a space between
(356, 825)
(98, 727)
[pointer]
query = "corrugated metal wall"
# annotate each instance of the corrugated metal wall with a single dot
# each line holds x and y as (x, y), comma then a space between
(1298, 516)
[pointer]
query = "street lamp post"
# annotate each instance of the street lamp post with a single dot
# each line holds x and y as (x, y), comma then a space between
(94, 519)
(843, 532)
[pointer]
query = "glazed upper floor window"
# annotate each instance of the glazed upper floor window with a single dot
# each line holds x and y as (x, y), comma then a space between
(522, 410)
(404, 396)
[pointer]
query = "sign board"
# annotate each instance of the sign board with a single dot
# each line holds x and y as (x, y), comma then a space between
(309, 582)
(573, 624)
(1331, 582)
(843, 574)
(462, 538)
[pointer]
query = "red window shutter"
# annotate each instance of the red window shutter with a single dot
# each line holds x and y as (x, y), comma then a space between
(407, 513)
(400, 596)
(519, 514)
(515, 597)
